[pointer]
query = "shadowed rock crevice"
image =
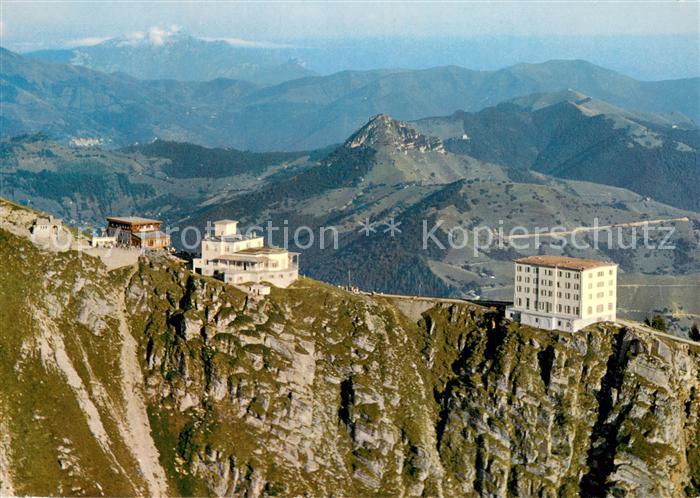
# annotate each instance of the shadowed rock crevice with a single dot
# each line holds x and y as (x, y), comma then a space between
(604, 436)
(545, 358)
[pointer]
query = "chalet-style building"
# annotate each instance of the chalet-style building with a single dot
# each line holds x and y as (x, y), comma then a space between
(562, 293)
(139, 232)
(240, 259)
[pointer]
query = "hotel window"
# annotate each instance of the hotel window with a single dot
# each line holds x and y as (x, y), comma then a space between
(610, 306)
(558, 294)
(520, 302)
(576, 286)
(576, 276)
(576, 311)
(568, 296)
(590, 310)
(575, 297)
(519, 288)
(568, 309)
(559, 308)
(568, 285)
(601, 273)
(568, 274)
(590, 286)
(600, 294)
(600, 308)
(559, 273)
(611, 272)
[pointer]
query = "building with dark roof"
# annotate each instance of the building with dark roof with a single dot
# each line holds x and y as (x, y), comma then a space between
(136, 231)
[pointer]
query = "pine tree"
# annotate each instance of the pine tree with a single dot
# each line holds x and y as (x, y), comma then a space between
(694, 332)
(657, 323)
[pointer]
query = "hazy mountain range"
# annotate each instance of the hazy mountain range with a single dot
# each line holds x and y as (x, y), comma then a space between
(72, 101)
(181, 57)
(199, 59)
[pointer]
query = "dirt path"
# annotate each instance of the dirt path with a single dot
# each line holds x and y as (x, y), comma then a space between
(596, 228)
(138, 428)
(640, 326)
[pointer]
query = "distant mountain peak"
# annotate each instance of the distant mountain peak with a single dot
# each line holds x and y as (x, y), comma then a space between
(155, 36)
(384, 131)
(591, 106)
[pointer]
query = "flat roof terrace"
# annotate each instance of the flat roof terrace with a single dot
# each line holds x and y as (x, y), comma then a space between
(564, 262)
(232, 238)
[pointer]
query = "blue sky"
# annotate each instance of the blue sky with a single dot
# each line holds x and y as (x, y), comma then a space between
(27, 24)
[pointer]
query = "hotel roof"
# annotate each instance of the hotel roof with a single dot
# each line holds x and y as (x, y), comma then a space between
(563, 262)
(131, 220)
(224, 222)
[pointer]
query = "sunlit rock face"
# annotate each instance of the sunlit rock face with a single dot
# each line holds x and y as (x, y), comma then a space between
(147, 379)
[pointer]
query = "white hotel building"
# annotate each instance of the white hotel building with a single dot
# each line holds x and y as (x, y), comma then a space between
(240, 259)
(561, 293)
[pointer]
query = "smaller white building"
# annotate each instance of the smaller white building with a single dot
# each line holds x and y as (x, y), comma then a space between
(46, 227)
(103, 240)
(241, 259)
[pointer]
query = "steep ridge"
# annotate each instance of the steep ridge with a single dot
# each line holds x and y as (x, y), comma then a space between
(314, 390)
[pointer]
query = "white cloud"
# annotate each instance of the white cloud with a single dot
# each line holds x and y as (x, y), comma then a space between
(87, 42)
(158, 35)
(239, 42)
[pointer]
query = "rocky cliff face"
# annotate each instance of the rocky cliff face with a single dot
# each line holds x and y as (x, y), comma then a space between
(149, 380)
(383, 131)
